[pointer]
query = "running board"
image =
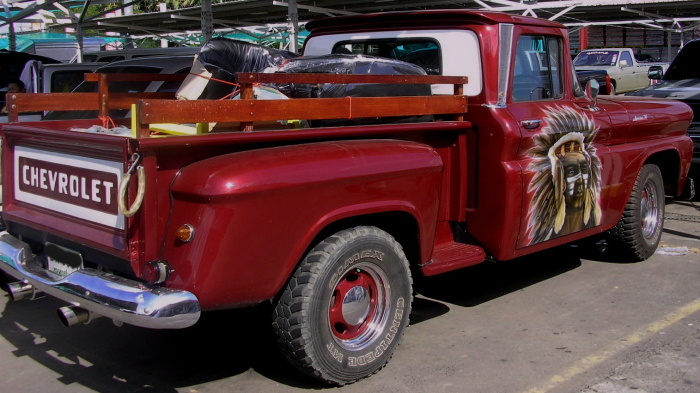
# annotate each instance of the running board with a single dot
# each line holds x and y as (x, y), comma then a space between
(453, 256)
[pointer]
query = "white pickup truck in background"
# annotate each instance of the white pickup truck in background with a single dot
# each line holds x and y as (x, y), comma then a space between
(626, 72)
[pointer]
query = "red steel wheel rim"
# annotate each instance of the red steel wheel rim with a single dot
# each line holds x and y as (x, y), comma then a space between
(357, 312)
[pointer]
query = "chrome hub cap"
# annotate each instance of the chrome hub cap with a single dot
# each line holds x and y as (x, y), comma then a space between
(649, 210)
(358, 308)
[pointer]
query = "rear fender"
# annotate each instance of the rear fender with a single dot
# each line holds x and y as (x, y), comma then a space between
(256, 212)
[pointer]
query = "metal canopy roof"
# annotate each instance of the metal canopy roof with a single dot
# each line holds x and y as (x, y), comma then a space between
(257, 16)
(236, 14)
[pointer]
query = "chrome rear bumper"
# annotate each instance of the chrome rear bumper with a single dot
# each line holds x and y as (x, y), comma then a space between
(121, 299)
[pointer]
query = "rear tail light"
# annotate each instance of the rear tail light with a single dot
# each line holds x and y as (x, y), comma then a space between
(156, 272)
(185, 233)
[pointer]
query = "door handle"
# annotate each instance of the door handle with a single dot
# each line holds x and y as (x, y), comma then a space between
(531, 124)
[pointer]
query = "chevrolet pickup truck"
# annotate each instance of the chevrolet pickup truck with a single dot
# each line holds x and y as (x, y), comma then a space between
(327, 200)
(626, 73)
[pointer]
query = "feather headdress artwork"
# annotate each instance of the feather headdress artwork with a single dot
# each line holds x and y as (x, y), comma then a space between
(568, 135)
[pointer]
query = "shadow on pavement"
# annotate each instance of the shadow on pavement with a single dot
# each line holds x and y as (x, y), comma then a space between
(478, 284)
(106, 358)
(110, 359)
(682, 234)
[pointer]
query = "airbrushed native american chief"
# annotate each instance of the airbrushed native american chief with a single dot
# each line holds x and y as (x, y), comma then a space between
(566, 183)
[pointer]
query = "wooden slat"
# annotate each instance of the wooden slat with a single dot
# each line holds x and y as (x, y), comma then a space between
(200, 111)
(126, 77)
(125, 100)
(33, 102)
(244, 77)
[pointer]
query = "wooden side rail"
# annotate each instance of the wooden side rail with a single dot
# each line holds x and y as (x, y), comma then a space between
(103, 81)
(247, 110)
(202, 111)
(159, 108)
(38, 102)
(103, 100)
(96, 77)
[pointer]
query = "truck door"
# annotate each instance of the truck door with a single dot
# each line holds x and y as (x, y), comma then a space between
(629, 78)
(558, 154)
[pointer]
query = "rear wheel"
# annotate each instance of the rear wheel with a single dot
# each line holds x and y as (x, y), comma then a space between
(636, 236)
(344, 311)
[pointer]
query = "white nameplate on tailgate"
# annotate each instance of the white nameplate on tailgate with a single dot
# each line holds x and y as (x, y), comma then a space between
(81, 187)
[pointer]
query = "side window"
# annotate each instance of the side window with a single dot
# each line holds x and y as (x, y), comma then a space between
(538, 69)
(66, 81)
(626, 57)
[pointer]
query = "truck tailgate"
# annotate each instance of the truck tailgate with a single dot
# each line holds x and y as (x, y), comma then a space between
(65, 185)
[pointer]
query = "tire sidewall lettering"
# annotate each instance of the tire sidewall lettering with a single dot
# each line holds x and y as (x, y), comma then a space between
(383, 345)
(353, 259)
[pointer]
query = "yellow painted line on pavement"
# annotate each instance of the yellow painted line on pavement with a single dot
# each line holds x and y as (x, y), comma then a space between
(588, 362)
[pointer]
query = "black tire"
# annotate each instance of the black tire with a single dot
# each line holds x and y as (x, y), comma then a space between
(4, 280)
(612, 91)
(636, 236)
(691, 191)
(345, 308)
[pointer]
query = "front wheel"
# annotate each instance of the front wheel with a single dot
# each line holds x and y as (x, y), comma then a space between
(345, 308)
(636, 236)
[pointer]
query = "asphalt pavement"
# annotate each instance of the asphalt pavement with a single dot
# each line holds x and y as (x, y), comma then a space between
(565, 320)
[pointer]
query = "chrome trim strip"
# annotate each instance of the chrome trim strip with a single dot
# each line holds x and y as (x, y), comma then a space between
(115, 297)
(505, 37)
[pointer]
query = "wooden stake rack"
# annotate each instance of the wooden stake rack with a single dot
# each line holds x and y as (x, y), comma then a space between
(102, 101)
(154, 108)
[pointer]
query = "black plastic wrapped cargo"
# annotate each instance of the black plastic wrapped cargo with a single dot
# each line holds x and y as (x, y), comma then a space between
(357, 65)
(223, 58)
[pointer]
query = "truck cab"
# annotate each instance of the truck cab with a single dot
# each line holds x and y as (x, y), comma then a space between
(518, 95)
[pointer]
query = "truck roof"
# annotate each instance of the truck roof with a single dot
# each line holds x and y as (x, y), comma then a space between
(426, 18)
(599, 49)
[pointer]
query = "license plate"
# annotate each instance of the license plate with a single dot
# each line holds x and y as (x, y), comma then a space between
(61, 260)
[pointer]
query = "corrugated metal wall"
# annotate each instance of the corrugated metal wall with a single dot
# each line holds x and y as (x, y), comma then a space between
(653, 42)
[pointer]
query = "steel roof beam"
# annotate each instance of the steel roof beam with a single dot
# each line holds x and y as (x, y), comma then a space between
(623, 22)
(149, 30)
(320, 10)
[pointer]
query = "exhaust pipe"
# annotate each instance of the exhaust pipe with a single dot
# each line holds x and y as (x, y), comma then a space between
(71, 315)
(20, 290)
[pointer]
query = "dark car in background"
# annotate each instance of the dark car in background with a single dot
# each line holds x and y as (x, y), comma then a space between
(11, 66)
(144, 65)
(604, 83)
(681, 82)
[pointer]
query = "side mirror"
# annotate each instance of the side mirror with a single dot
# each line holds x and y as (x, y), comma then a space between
(623, 63)
(656, 72)
(592, 89)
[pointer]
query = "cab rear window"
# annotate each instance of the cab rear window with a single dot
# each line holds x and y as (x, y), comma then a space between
(421, 52)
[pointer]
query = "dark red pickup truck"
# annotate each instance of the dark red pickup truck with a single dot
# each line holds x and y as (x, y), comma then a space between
(502, 155)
